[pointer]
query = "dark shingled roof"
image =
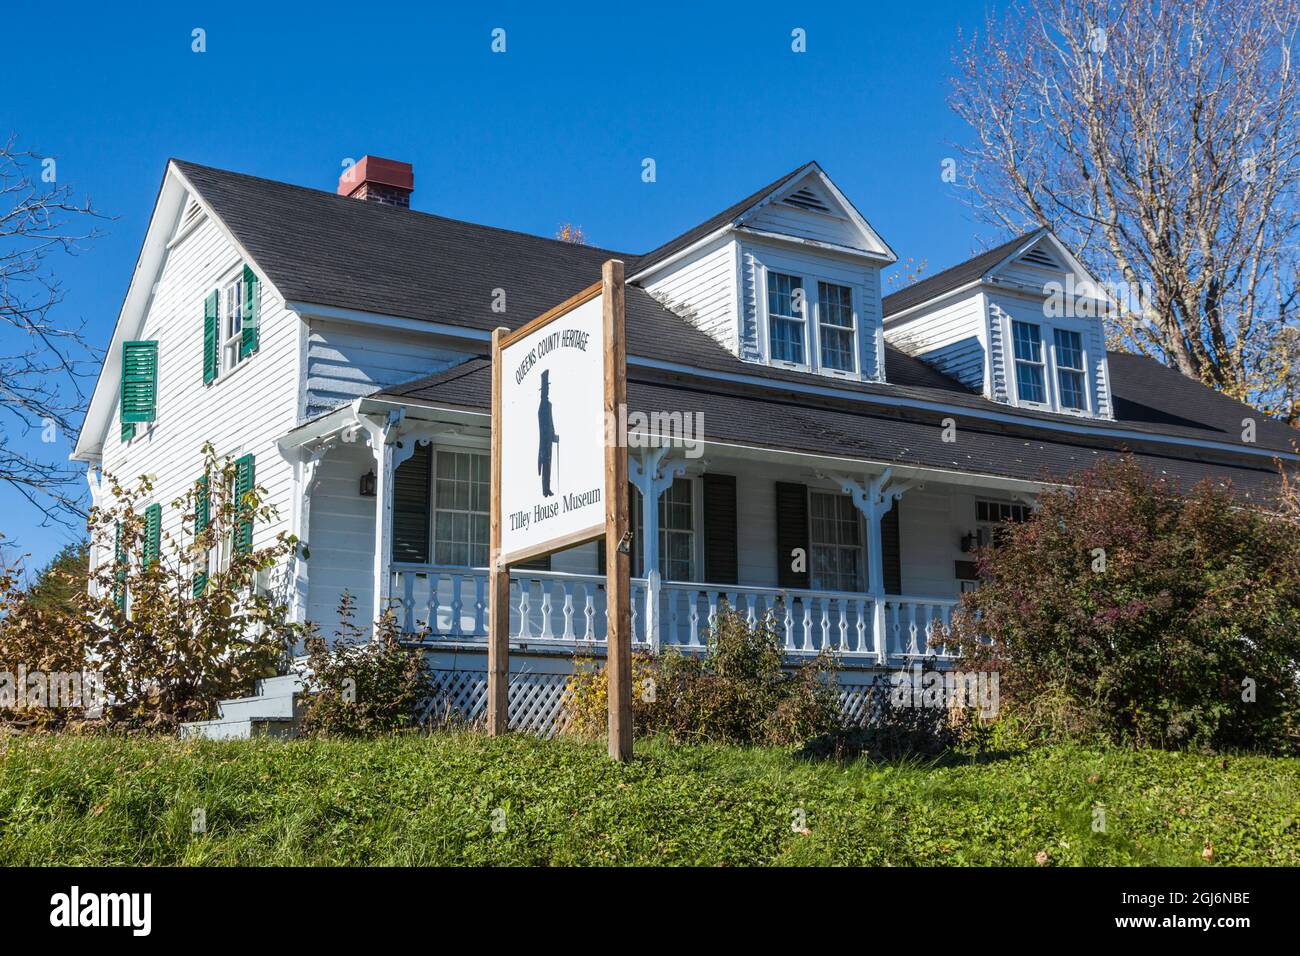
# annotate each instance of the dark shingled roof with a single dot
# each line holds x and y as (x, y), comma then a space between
(329, 250)
(726, 217)
(768, 418)
(951, 278)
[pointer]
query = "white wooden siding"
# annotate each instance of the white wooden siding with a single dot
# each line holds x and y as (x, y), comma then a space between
(346, 361)
(341, 538)
(702, 290)
(949, 334)
(243, 411)
(808, 224)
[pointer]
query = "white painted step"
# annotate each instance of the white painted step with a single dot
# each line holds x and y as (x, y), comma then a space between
(243, 708)
(241, 729)
(279, 686)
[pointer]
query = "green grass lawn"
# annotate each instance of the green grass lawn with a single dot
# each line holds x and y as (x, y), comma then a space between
(431, 800)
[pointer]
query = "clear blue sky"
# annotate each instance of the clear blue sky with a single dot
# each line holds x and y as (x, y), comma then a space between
(553, 130)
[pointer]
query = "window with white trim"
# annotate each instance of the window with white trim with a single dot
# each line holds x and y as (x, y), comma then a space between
(232, 324)
(999, 512)
(676, 531)
(787, 331)
(461, 488)
(835, 542)
(835, 326)
(1027, 339)
(1069, 369)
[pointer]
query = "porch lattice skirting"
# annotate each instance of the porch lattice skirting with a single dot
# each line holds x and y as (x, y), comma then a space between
(538, 697)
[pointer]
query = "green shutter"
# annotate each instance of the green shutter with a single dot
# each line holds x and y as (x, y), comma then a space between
(211, 340)
(139, 381)
(202, 516)
(128, 431)
(248, 339)
(244, 480)
(119, 568)
(152, 533)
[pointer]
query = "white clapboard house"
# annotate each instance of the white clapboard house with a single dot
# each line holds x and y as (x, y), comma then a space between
(336, 344)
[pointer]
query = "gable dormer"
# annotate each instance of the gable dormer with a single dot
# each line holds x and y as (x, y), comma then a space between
(788, 277)
(1020, 324)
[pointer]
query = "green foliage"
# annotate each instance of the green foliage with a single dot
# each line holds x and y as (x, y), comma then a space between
(62, 582)
(430, 800)
(33, 635)
(168, 651)
(1129, 609)
(358, 686)
(737, 691)
(892, 729)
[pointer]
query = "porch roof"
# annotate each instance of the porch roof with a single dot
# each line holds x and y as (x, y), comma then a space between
(751, 417)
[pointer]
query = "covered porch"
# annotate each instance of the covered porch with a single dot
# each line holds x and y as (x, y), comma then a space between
(865, 558)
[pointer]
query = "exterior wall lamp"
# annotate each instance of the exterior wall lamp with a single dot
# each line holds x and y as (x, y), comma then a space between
(369, 484)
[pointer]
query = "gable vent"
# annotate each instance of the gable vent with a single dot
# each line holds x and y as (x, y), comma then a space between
(805, 198)
(192, 213)
(1037, 257)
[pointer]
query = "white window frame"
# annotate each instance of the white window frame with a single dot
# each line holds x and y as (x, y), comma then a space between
(851, 328)
(1059, 369)
(774, 316)
(1007, 511)
(696, 533)
(810, 282)
(434, 509)
(860, 548)
(1042, 364)
(230, 312)
(1047, 329)
(221, 553)
(691, 534)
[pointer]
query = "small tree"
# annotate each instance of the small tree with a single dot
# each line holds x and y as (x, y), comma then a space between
(180, 619)
(1161, 617)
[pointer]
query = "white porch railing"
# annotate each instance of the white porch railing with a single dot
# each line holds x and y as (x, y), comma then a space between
(450, 604)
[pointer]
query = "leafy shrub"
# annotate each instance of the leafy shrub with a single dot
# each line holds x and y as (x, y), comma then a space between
(34, 637)
(892, 727)
(174, 634)
(357, 686)
(738, 691)
(1150, 615)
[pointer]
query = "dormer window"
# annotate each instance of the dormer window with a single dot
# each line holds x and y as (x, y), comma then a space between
(835, 325)
(1054, 378)
(1028, 342)
(812, 323)
(1069, 369)
(785, 307)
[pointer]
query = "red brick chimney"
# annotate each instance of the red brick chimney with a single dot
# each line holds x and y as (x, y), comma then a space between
(379, 180)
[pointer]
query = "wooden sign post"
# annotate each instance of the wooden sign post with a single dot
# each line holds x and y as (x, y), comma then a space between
(558, 383)
(618, 552)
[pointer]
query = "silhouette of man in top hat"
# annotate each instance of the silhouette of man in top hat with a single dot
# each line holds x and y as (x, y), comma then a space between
(546, 436)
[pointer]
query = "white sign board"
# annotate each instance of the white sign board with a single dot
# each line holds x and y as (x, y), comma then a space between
(553, 434)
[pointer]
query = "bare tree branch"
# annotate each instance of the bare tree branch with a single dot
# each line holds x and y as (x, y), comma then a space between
(1161, 140)
(43, 362)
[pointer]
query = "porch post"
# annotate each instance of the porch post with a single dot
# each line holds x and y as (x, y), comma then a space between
(95, 479)
(874, 498)
(652, 477)
(305, 468)
(382, 437)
